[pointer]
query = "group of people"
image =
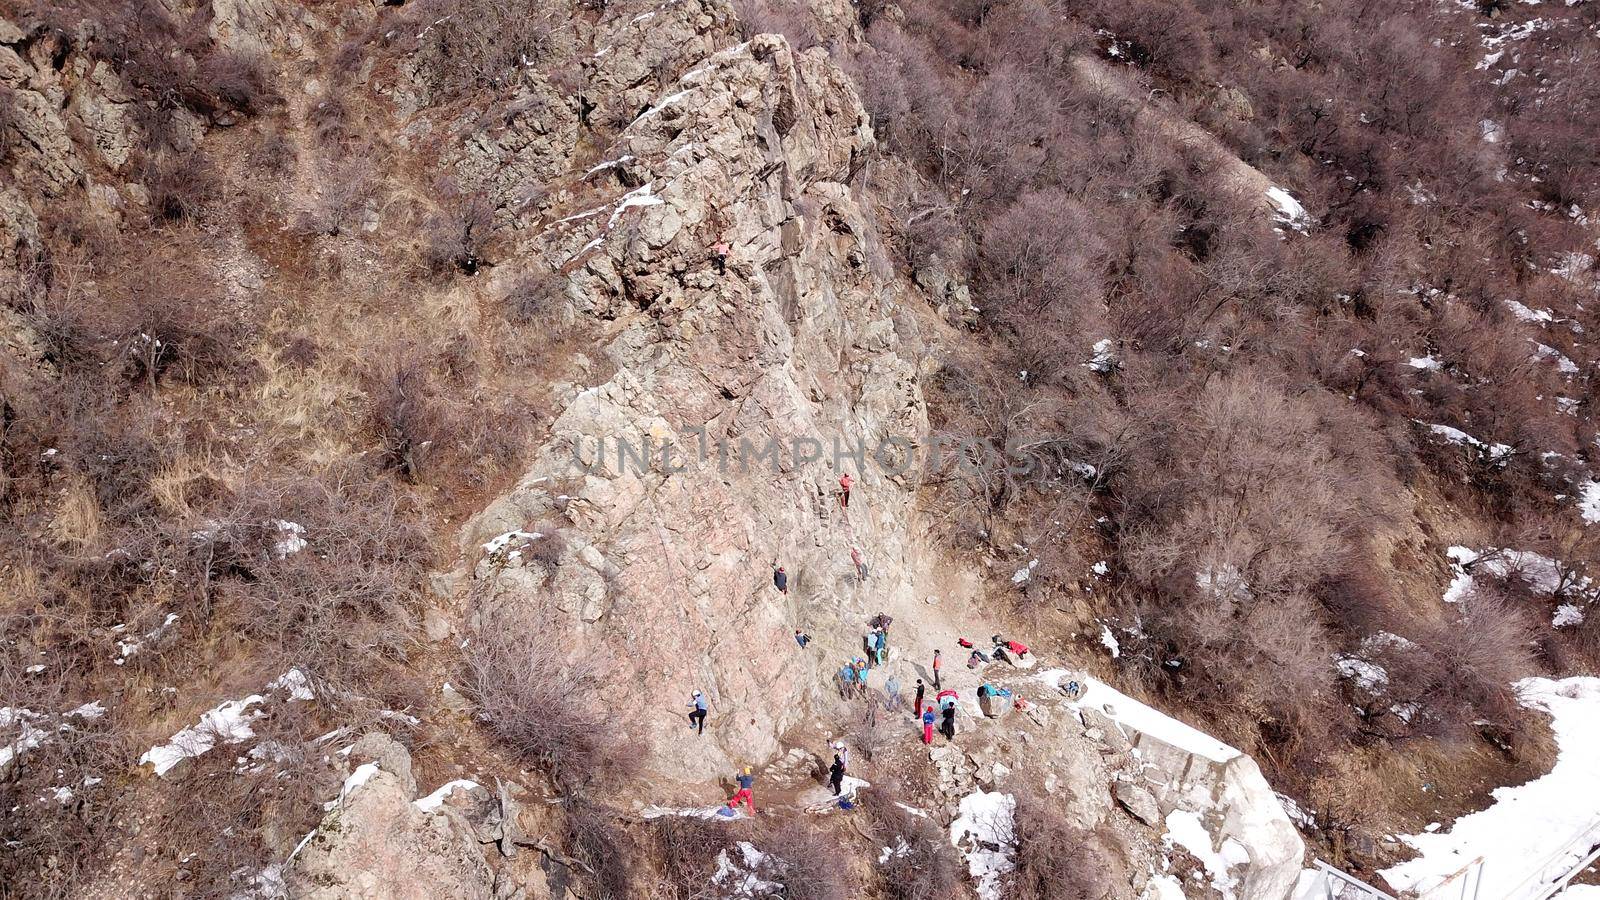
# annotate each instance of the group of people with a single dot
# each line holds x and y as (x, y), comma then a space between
(852, 676)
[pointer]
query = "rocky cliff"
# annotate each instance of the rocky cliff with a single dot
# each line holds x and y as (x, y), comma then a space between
(797, 350)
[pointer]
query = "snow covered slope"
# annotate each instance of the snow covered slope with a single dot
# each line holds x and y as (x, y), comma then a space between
(1524, 837)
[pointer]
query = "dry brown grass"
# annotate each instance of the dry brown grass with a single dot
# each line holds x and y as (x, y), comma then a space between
(78, 522)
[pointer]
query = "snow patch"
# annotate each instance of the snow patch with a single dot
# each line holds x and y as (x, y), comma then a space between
(1527, 314)
(1109, 641)
(638, 197)
(1290, 212)
(1024, 573)
(1496, 454)
(1566, 615)
(228, 723)
(983, 832)
(434, 800)
(1516, 835)
(362, 774)
(1589, 502)
(742, 878)
(1184, 830)
(1564, 365)
(1131, 714)
(291, 539)
(1105, 357)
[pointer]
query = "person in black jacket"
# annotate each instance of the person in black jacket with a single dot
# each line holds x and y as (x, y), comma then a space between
(836, 774)
(948, 726)
(780, 579)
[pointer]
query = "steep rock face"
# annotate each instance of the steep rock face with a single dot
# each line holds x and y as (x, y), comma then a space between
(668, 572)
(377, 843)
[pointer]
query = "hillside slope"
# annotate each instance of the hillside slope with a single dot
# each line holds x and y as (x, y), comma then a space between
(404, 409)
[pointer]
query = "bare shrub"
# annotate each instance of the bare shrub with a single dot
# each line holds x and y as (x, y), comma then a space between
(340, 606)
(274, 153)
(597, 840)
(538, 299)
(181, 186)
(456, 237)
(1167, 37)
(766, 17)
(467, 46)
(410, 420)
(234, 82)
(1054, 859)
(8, 126)
(685, 851)
(545, 706)
(1474, 663)
(921, 865)
(809, 862)
(170, 320)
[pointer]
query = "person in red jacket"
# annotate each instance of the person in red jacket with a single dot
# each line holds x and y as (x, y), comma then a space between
(928, 719)
(844, 490)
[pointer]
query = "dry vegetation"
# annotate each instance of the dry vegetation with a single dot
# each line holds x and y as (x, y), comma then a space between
(1252, 425)
(168, 426)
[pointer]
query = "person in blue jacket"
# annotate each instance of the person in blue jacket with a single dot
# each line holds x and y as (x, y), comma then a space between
(847, 680)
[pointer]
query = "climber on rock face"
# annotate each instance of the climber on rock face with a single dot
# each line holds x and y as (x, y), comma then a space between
(743, 795)
(719, 256)
(844, 490)
(859, 563)
(801, 638)
(697, 712)
(780, 579)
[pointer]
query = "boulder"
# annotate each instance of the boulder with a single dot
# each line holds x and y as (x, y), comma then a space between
(376, 844)
(1139, 803)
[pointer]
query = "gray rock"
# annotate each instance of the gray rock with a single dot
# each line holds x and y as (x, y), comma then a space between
(435, 625)
(454, 701)
(1110, 733)
(391, 757)
(1140, 803)
(375, 844)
